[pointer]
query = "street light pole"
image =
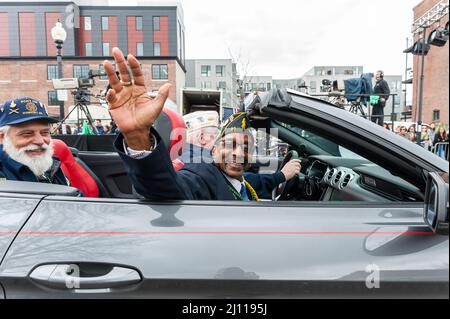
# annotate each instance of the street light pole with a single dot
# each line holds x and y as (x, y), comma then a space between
(422, 76)
(59, 36)
(59, 45)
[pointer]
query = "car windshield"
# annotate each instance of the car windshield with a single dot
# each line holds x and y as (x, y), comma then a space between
(323, 143)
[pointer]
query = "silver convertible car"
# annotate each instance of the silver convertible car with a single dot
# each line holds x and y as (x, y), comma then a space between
(367, 217)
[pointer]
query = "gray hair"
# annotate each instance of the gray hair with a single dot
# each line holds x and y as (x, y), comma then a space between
(4, 129)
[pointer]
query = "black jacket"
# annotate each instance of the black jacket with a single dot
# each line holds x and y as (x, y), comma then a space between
(155, 178)
(382, 87)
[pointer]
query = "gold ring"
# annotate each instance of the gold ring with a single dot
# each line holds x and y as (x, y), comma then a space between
(126, 83)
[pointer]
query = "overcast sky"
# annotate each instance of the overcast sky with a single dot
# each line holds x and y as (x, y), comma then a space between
(285, 38)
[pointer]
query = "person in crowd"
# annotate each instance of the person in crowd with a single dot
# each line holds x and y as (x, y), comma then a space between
(424, 138)
(381, 87)
(432, 132)
(107, 128)
(386, 126)
(99, 127)
(412, 133)
(26, 150)
(114, 128)
(441, 137)
(404, 132)
(146, 157)
(76, 129)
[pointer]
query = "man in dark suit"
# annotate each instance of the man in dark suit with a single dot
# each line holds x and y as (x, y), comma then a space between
(381, 87)
(146, 157)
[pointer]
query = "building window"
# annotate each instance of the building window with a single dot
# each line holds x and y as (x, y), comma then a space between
(156, 24)
(105, 23)
(138, 23)
(206, 70)
(87, 23)
(52, 71)
(140, 49)
(105, 48)
(269, 86)
(222, 85)
(206, 84)
(53, 98)
(312, 86)
(262, 86)
(220, 70)
(160, 72)
(436, 115)
(80, 70)
(348, 72)
(88, 49)
(156, 49)
(101, 68)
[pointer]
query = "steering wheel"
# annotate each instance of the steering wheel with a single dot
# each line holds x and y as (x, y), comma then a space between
(284, 190)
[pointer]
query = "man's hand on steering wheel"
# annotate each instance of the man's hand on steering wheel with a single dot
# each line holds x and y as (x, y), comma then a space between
(291, 169)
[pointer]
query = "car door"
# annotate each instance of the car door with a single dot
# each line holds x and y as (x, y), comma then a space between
(14, 212)
(127, 248)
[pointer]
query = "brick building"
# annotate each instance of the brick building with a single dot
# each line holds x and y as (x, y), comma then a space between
(435, 103)
(155, 34)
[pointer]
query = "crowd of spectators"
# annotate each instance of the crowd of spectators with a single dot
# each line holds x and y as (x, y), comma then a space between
(433, 137)
(86, 128)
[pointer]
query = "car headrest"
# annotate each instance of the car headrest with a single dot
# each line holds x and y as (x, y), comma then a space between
(172, 129)
(77, 175)
(61, 150)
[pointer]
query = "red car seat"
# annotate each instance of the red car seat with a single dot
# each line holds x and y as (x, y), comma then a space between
(76, 174)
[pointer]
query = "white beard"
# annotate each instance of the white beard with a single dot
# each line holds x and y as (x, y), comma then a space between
(38, 164)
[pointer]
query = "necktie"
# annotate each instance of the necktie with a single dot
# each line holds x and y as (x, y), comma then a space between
(244, 192)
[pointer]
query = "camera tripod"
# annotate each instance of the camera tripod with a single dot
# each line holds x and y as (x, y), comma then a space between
(357, 107)
(81, 104)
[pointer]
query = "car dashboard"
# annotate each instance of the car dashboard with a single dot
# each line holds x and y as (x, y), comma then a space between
(350, 179)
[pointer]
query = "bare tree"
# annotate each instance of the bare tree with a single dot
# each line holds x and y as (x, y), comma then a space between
(243, 67)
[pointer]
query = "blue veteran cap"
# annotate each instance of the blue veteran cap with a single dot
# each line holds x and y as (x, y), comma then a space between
(22, 110)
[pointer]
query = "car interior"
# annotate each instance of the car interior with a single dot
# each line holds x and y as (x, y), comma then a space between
(330, 172)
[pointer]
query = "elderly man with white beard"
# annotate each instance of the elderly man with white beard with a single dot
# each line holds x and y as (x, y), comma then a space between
(26, 150)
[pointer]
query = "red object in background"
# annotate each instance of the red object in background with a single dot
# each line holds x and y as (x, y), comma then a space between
(27, 34)
(134, 36)
(110, 35)
(4, 34)
(162, 35)
(77, 175)
(84, 36)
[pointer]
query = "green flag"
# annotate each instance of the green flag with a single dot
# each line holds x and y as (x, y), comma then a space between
(374, 99)
(86, 130)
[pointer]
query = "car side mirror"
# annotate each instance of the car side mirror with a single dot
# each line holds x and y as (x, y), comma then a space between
(436, 203)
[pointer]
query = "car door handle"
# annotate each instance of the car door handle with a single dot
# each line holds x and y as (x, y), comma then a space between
(67, 276)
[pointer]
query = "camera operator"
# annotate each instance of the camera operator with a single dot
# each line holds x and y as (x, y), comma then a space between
(381, 87)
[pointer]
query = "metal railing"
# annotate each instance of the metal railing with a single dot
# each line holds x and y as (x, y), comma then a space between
(358, 107)
(441, 150)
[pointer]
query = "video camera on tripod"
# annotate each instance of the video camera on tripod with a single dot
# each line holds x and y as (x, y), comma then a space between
(80, 90)
(335, 90)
